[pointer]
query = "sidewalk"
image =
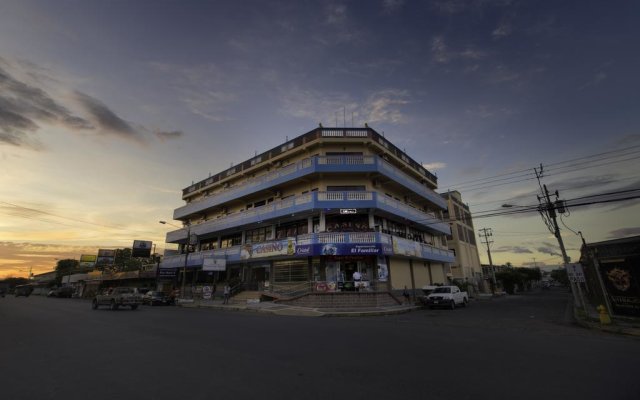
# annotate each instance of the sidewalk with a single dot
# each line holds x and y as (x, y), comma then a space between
(283, 309)
(591, 320)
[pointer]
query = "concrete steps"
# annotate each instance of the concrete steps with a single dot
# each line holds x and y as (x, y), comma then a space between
(246, 296)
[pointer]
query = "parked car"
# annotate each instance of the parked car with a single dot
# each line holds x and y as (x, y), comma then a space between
(64, 291)
(447, 296)
(155, 298)
(426, 291)
(23, 290)
(116, 297)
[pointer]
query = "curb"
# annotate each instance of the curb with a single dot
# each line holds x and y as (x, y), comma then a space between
(613, 328)
(303, 312)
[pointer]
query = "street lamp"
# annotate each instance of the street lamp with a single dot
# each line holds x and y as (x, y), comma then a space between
(186, 252)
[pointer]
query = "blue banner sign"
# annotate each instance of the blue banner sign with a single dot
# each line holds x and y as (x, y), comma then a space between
(343, 249)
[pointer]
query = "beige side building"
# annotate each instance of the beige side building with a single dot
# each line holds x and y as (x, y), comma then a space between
(463, 243)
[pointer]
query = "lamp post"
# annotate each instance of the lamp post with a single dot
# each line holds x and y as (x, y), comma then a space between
(186, 252)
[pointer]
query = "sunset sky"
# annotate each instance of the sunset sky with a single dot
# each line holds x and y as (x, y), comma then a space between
(108, 109)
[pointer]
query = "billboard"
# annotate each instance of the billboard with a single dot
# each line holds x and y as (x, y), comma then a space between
(268, 249)
(106, 257)
(141, 248)
(88, 260)
(622, 281)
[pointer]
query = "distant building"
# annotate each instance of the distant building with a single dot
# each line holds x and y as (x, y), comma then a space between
(462, 241)
(315, 213)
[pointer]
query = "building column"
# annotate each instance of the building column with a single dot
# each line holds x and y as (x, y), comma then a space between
(322, 224)
(372, 221)
(413, 280)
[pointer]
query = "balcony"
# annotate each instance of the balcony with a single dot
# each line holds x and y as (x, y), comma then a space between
(310, 202)
(308, 166)
(317, 244)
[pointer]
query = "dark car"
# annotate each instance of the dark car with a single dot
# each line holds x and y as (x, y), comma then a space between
(23, 290)
(155, 298)
(65, 291)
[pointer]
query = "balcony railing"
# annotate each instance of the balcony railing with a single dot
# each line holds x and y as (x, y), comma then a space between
(306, 167)
(309, 202)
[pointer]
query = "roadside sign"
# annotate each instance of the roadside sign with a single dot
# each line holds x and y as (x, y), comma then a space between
(575, 273)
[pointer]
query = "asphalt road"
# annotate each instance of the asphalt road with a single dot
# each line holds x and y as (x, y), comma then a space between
(517, 347)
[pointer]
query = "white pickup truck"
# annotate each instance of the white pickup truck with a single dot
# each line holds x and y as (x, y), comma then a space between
(117, 297)
(447, 296)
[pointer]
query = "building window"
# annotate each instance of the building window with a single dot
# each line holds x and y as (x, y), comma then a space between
(344, 223)
(461, 233)
(292, 229)
(346, 188)
(231, 240)
(257, 235)
(209, 244)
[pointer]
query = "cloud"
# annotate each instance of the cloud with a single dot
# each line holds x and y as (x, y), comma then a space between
(391, 6)
(628, 140)
(512, 249)
(30, 98)
(503, 30)
(106, 120)
(488, 111)
(451, 7)
(24, 106)
(335, 14)
(206, 89)
(17, 258)
(331, 107)
(434, 166)
(442, 54)
(624, 232)
(337, 28)
(550, 249)
(384, 106)
(170, 135)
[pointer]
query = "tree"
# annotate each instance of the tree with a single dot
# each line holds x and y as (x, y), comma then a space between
(12, 282)
(522, 277)
(560, 275)
(65, 267)
(124, 262)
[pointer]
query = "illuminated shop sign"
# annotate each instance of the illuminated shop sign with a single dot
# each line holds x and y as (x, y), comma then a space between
(348, 211)
(342, 249)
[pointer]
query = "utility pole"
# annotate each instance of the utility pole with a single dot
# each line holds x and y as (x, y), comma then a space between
(547, 210)
(485, 233)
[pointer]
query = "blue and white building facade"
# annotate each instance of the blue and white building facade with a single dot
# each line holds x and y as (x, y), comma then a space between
(335, 209)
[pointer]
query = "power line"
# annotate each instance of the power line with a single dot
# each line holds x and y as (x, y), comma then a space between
(517, 176)
(26, 212)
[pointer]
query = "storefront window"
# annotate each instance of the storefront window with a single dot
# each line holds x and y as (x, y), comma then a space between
(290, 271)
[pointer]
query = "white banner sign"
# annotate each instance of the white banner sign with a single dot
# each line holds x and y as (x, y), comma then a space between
(575, 273)
(214, 264)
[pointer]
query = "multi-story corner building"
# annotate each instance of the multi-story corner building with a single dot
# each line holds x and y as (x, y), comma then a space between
(462, 241)
(331, 210)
